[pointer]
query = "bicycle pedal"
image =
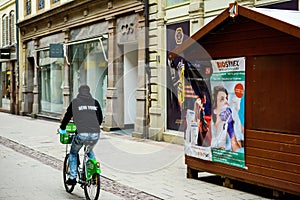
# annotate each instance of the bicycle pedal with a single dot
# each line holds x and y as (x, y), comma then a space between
(81, 181)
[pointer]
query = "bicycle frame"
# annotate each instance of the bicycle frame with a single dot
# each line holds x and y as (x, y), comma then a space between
(90, 166)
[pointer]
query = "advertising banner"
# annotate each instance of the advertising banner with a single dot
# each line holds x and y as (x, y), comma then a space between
(176, 35)
(224, 138)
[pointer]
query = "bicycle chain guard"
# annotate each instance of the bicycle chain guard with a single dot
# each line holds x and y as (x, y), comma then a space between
(92, 167)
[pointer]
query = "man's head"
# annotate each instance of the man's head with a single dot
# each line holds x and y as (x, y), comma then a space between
(83, 89)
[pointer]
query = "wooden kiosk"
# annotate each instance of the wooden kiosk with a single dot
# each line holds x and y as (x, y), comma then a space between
(271, 48)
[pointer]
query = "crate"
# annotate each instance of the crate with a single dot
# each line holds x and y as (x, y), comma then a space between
(68, 137)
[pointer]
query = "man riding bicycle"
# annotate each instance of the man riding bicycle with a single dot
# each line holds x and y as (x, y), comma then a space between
(87, 115)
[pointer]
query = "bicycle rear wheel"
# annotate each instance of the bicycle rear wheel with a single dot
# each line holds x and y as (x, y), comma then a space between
(66, 174)
(92, 188)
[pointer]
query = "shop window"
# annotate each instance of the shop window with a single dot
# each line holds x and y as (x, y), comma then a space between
(27, 7)
(5, 86)
(175, 2)
(89, 66)
(51, 75)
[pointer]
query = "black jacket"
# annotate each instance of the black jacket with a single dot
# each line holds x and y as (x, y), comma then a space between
(86, 113)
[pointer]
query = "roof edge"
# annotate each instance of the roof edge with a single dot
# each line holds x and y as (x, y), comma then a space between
(232, 11)
(270, 21)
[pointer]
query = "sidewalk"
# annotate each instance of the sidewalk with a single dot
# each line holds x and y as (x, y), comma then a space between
(156, 168)
(26, 178)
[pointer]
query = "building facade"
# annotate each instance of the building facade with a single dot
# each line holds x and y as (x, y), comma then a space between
(66, 43)
(119, 48)
(8, 67)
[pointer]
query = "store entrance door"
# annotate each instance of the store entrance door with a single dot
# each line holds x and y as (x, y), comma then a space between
(130, 83)
(5, 87)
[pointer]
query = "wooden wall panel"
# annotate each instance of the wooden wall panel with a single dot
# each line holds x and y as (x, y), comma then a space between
(273, 164)
(275, 151)
(278, 146)
(267, 154)
(275, 105)
(241, 36)
(243, 175)
(271, 136)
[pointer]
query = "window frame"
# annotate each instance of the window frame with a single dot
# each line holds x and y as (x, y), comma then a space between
(5, 30)
(40, 7)
(55, 2)
(27, 7)
(11, 26)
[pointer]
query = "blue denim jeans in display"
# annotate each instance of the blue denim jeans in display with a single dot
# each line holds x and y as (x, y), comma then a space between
(78, 141)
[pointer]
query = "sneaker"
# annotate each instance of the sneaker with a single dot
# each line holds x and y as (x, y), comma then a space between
(71, 181)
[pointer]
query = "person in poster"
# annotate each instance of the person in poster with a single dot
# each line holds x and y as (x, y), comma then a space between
(175, 93)
(223, 132)
(199, 108)
(228, 90)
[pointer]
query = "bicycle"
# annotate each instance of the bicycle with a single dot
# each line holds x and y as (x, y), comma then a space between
(88, 170)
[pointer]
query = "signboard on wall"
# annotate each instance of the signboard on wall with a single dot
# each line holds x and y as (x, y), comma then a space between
(56, 51)
(4, 53)
(224, 137)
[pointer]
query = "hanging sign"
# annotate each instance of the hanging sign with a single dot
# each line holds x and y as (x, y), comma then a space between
(4, 53)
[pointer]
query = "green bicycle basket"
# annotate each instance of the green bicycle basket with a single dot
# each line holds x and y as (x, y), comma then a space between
(67, 138)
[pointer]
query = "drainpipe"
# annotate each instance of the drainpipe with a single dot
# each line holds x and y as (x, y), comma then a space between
(17, 111)
(148, 71)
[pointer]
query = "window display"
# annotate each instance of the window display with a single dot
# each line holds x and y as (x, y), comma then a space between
(51, 82)
(88, 65)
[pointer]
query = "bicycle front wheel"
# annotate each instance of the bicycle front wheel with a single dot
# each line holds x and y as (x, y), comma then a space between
(66, 174)
(92, 188)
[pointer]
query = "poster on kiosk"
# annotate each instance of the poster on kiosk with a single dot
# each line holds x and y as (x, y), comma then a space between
(219, 137)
